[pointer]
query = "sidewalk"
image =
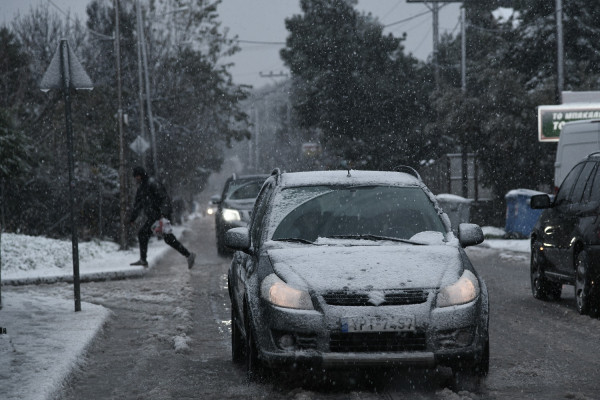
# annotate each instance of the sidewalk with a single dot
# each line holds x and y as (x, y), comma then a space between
(45, 338)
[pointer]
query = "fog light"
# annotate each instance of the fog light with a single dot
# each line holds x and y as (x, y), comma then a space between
(453, 339)
(286, 342)
(464, 337)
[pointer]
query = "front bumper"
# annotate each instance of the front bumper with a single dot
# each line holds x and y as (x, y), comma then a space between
(313, 335)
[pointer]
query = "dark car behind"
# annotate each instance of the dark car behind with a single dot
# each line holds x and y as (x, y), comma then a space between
(235, 205)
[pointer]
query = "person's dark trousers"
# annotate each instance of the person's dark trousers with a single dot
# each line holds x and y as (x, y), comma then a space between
(172, 241)
(145, 233)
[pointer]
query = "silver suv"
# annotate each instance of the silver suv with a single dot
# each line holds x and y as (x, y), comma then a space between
(355, 268)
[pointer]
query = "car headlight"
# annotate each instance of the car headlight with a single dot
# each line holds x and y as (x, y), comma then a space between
(231, 215)
(278, 293)
(464, 290)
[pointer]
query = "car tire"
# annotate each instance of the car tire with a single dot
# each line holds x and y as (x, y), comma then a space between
(253, 364)
(221, 248)
(237, 342)
(541, 287)
(582, 284)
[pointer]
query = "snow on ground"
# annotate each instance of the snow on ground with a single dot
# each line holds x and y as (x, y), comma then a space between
(29, 259)
(45, 339)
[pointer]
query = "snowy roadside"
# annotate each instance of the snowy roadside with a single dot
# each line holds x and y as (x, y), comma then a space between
(34, 260)
(45, 341)
(42, 338)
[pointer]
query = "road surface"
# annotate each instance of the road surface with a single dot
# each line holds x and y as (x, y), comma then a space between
(170, 338)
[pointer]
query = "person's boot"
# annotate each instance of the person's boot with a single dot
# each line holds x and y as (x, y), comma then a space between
(191, 259)
(143, 263)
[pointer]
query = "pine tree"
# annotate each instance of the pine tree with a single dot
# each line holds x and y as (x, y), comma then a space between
(356, 85)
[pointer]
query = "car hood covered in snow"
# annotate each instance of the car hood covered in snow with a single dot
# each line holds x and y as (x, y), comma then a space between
(397, 266)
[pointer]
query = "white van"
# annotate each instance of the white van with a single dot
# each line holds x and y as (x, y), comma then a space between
(577, 140)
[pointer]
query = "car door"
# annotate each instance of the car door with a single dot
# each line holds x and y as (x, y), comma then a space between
(567, 227)
(554, 220)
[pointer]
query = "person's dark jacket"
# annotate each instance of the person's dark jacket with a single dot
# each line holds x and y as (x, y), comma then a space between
(152, 197)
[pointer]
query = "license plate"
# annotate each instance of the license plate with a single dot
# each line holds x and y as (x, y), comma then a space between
(390, 323)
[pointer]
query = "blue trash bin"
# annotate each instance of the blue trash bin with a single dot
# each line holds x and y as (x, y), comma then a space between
(520, 217)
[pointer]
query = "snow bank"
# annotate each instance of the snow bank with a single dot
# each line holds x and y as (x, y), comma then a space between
(36, 358)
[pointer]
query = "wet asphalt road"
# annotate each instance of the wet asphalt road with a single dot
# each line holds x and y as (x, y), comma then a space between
(169, 338)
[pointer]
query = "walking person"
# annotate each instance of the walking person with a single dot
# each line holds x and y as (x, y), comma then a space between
(153, 199)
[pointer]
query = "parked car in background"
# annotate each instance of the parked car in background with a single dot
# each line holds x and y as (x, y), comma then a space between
(235, 204)
(354, 269)
(565, 242)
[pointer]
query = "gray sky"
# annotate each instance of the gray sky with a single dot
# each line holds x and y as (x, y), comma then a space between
(263, 21)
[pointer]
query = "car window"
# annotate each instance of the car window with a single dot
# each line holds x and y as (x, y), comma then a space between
(234, 184)
(396, 212)
(594, 193)
(582, 181)
(567, 185)
(247, 191)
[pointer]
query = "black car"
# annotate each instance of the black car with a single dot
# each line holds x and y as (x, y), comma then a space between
(343, 269)
(565, 242)
(235, 205)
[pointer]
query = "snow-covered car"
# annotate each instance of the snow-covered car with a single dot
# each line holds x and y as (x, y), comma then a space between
(235, 204)
(355, 268)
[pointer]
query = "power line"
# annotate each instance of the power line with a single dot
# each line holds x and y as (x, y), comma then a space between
(261, 42)
(390, 11)
(407, 19)
(101, 35)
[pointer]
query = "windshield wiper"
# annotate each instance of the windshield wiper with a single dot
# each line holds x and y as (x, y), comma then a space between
(375, 237)
(296, 240)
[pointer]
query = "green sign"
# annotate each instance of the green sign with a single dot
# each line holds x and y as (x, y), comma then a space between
(552, 118)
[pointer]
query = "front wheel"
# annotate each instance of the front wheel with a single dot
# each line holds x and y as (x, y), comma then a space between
(582, 284)
(237, 343)
(541, 287)
(253, 365)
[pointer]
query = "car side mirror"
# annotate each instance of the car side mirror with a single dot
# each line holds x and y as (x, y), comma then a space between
(469, 235)
(238, 239)
(540, 201)
(215, 199)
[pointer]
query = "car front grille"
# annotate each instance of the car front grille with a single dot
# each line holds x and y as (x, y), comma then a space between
(386, 298)
(377, 341)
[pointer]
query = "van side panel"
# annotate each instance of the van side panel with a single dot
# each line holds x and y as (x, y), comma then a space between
(577, 141)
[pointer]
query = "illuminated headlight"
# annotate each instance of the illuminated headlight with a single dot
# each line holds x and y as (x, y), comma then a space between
(464, 290)
(278, 293)
(231, 215)
(210, 211)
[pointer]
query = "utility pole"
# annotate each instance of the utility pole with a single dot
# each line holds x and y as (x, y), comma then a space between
(256, 136)
(122, 169)
(435, 9)
(142, 41)
(138, 13)
(463, 73)
(560, 53)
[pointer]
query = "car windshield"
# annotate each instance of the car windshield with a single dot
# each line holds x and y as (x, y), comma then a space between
(373, 212)
(233, 185)
(247, 191)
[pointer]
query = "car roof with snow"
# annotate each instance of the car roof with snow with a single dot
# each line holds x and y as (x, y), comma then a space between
(345, 177)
